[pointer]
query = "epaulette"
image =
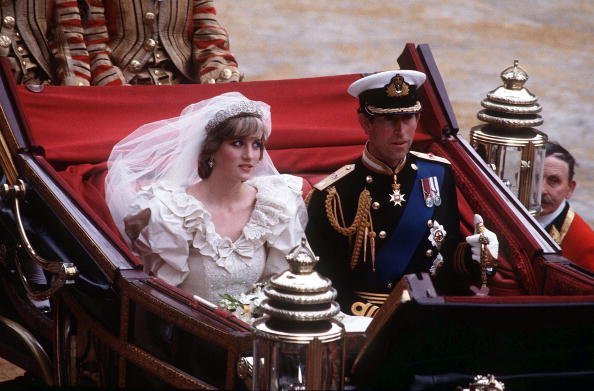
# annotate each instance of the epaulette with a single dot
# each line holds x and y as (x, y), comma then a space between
(430, 156)
(336, 175)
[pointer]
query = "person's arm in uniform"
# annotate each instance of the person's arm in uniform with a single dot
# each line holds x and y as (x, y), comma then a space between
(103, 71)
(68, 45)
(331, 247)
(213, 61)
(458, 270)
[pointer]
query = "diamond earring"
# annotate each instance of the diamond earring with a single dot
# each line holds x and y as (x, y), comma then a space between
(210, 162)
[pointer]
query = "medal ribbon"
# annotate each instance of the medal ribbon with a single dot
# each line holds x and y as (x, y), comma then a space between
(395, 255)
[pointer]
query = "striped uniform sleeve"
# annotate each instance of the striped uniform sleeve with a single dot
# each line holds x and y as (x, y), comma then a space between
(103, 71)
(68, 46)
(211, 55)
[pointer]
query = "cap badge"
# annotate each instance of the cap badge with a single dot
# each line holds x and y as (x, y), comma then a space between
(397, 87)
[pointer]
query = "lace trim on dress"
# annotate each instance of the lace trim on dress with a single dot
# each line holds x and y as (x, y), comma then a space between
(269, 216)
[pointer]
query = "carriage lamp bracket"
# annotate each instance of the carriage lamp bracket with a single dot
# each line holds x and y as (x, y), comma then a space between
(63, 273)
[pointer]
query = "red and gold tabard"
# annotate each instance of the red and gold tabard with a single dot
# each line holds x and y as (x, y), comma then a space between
(575, 237)
(43, 40)
(158, 42)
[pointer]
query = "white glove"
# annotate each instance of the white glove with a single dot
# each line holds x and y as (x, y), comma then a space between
(473, 240)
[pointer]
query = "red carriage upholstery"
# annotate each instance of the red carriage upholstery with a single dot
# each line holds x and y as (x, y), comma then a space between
(315, 127)
(315, 131)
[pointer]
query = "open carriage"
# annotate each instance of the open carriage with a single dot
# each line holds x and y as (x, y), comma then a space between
(534, 328)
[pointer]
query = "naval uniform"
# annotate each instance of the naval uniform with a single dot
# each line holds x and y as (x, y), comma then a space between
(575, 237)
(414, 229)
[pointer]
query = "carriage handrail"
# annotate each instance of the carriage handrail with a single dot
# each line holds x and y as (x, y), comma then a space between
(64, 272)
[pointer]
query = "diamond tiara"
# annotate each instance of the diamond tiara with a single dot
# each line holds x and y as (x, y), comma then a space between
(234, 110)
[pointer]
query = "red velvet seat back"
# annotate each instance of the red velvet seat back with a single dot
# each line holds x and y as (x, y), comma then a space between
(315, 131)
(314, 122)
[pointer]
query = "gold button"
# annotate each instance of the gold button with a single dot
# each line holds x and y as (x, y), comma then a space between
(226, 74)
(159, 83)
(158, 55)
(135, 65)
(430, 223)
(5, 41)
(157, 72)
(429, 252)
(8, 22)
(382, 234)
(150, 44)
(17, 34)
(20, 49)
(149, 17)
(375, 205)
(210, 81)
(368, 179)
(80, 83)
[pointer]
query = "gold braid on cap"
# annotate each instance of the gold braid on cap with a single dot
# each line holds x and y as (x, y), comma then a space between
(361, 223)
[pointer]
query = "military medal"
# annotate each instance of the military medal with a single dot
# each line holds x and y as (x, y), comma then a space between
(431, 191)
(397, 197)
(435, 191)
(437, 233)
(425, 184)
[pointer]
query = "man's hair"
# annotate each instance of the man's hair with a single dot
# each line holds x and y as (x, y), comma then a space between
(553, 148)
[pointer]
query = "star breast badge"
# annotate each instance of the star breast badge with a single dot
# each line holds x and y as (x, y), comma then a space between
(397, 198)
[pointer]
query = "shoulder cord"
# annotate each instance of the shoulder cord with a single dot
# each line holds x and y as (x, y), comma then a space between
(361, 223)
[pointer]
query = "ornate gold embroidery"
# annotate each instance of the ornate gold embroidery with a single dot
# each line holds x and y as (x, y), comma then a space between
(397, 87)
(566, 224)
(364, 309)
(557, 235)
(397, 197)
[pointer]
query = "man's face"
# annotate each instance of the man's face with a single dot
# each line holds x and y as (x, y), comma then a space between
(556, 184)
(390, 136)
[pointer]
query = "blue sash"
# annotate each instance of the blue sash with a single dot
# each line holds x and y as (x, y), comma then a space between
(395, 255)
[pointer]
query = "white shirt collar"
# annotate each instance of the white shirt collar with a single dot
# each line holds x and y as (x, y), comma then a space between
(545, 220)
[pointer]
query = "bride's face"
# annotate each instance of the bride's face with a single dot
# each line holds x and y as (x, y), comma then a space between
(236, 158)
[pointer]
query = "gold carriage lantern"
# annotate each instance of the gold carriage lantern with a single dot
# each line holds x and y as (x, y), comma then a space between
(509, 141)
(297, 344)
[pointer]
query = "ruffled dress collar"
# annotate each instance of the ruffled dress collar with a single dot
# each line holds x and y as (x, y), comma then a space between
(269, 213)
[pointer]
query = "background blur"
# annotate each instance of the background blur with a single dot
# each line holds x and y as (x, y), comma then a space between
(472, 42)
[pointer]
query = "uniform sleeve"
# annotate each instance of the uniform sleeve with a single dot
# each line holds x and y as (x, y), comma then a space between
(331, 248)
(103, 71)
(211, 55)
(68, 45)
(158, 237)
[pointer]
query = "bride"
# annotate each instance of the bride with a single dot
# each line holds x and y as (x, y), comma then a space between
(199, 200)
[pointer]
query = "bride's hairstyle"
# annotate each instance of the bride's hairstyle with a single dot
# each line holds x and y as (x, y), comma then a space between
(171, 150)
(239, 126)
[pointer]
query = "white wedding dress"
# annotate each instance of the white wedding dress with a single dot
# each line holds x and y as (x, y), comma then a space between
(180, 244)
